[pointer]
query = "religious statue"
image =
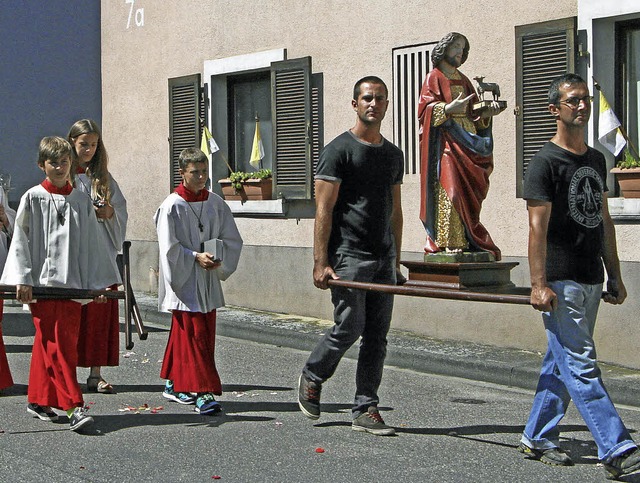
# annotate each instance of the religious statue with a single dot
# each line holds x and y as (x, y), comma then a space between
(456, 148)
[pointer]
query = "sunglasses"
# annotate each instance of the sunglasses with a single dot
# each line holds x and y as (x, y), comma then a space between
(575, 101)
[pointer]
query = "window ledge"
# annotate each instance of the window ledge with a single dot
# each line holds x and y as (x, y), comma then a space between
(258, 209)
(280, 208)
(625, 210)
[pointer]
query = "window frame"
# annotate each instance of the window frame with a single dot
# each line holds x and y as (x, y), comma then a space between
(621, 103)
(214, 98)
(411, 64)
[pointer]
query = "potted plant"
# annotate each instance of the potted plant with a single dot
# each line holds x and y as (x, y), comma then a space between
(243, 186)
(627, 173)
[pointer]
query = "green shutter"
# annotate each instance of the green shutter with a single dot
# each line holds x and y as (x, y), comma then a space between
(185, 108)
(544, 51)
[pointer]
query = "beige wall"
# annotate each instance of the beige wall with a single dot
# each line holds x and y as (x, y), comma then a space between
(178, 36)
(346, 40)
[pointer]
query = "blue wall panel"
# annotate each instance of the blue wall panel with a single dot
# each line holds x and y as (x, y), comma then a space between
(49, 78)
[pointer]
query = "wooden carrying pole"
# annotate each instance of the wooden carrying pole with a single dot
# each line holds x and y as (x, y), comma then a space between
(9, 292)
(440, 293)
(131, 310)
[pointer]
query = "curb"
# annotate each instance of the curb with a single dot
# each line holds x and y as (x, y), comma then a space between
(406, 350)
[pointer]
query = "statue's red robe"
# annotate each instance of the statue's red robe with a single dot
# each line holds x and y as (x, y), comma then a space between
(461, 161)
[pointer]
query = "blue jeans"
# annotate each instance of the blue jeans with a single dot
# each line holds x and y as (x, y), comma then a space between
(570, 372)
(357, 313)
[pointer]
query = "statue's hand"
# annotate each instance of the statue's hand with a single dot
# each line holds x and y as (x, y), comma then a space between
(458, 105)
(491, 110)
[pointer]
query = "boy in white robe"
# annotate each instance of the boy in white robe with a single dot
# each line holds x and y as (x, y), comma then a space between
(189, 285)
(56, 243)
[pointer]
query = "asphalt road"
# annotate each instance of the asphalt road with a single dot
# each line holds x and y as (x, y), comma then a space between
(449, 429)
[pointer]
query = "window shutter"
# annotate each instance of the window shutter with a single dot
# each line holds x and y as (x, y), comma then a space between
(185, 108)
(291, 118)
(544, 51)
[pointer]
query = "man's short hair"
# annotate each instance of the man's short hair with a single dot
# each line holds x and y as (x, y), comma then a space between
(191, 155)
(554, 88)
(370, 79)
(53, 148)
(439, 52)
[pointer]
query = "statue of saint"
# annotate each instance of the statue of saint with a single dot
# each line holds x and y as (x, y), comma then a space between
(456, 159)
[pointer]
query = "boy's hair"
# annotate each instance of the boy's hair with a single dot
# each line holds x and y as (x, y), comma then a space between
(53, 148)
(191, 155)
(554, 88)
(370, 79)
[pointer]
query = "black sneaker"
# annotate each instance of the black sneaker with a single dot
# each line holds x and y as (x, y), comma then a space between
(43, 412)
(309, 397)
(626, 463)
(79, 419)
(372, 422)
(552, 456)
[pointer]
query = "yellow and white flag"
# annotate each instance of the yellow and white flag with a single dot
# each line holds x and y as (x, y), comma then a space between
(609, 133)
(257, 150)
(208, 145)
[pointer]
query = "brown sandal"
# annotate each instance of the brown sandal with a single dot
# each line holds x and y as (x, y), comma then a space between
(97, 384)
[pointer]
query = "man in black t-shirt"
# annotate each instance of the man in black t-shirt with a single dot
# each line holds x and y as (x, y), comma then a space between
(357, 236)
(571, 234)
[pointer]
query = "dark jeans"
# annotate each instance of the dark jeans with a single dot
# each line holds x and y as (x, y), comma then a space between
(357, 313)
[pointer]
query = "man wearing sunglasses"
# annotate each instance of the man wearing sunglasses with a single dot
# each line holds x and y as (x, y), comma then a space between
(571, 236)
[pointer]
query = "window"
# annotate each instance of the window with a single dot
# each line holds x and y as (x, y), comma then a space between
(410, 67)
(628, 78)
(249, 99)
(544, 51)
(287, 99)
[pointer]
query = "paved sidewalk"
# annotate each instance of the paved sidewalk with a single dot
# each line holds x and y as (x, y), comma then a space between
(509, 367)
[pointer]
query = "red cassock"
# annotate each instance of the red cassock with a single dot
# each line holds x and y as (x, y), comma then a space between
(462, 162)
(52, 378)
(5, 373)
(189, 359)
(99, 340)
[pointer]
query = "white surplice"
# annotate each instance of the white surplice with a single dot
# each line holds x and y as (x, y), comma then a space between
(183, 284)
(113, 229)
(47, 253)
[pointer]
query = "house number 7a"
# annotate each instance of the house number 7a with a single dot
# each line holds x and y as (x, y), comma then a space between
(138, 15)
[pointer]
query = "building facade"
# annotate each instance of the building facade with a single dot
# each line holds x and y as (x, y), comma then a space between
(168, 67)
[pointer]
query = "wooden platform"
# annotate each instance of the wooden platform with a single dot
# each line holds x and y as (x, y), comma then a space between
(461, 276)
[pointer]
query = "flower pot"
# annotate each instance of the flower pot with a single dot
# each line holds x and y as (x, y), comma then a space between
(629, 181)
(252, 189)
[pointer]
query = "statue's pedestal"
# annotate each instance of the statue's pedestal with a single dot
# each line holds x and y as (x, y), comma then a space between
(460, 275)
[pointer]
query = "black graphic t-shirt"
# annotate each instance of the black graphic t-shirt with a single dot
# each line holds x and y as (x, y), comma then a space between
(574, 184)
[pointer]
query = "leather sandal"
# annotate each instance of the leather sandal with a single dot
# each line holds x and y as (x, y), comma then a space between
(99, 385)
